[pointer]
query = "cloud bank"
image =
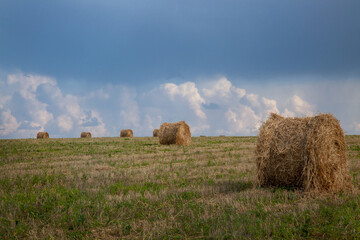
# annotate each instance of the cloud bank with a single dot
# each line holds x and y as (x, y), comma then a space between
(32, 103)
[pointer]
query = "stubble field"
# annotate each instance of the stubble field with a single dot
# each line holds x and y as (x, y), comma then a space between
(134, 188)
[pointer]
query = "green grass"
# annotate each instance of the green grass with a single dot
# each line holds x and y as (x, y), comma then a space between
(129, 188)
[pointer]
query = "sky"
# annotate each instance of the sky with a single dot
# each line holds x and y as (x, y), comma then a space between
(221, 66)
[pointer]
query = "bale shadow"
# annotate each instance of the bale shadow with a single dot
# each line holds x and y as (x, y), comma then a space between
(232, 186)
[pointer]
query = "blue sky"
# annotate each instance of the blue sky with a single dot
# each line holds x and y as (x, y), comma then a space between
(222, 66)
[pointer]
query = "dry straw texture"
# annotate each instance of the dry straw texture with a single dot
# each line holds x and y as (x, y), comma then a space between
(85, 135)
(307, 153)
(126, 133)
(175, 133)
(156, 133)
(42, 135)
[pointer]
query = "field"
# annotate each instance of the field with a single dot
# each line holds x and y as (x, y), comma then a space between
(128, 188)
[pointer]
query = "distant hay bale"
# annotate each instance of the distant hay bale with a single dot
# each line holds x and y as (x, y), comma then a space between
(175, 133)
(42, 135)
(85, 135)
(126, 133)
(307, 153)
(156, 133)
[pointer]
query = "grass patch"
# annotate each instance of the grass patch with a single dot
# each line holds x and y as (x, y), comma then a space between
(131, 188)
(120, 187)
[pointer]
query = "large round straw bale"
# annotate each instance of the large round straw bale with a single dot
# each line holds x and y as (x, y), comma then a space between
(126, 133)
(85, 135)
(156, 133)
(175, 133)
(307, 153)
(42, 135)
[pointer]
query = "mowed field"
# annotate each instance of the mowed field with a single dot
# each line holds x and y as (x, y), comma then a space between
(134, 188)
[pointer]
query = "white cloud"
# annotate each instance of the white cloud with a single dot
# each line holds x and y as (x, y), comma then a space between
(301, 106)
(129, 113)
(242, 121)
(42, 116)
(32, 103)
(298, 107)
(288, 113)
(65, 122)
(35, 125)
(37, 103)
(53, 92)
(253, 99)
(220, 88)
(4, 100)
(130, 118)
(152, 123)
(49, 108)
(226, 111)
(28, 84)
(232, 118)
(72, 107)
(240, 93)
(188, 92)
(68, 104)
(8, 124)
(223, 88)
(270, 105)
(172, 89)
(98, 129)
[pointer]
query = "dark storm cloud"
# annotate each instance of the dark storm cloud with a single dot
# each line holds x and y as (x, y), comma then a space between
(135, 41)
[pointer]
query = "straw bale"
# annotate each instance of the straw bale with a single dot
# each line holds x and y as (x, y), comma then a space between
(156, 133)
(126, 133)
(42, 135)
(175, 133)
(85, 135)
(307, 153)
